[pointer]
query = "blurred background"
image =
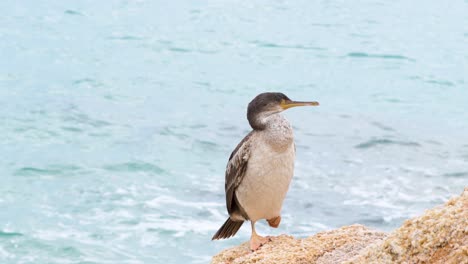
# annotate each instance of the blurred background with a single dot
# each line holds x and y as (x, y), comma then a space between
(117, 119)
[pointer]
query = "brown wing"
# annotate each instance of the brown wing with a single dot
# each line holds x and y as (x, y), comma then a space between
(235, 171)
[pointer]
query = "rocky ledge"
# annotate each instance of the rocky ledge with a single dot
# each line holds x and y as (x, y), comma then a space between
(440, 235)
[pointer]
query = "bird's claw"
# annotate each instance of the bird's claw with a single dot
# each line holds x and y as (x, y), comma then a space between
(257, 241)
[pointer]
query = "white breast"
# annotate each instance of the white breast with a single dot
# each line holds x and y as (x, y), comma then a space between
(269, 172)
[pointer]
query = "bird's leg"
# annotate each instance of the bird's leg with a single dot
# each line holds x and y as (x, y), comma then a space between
(256, 241)
(274, 222)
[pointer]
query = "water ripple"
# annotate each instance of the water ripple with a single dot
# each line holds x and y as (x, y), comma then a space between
(274, 45)
(460, 174)
(380, 56)
(64, 170)
(376, 142)
(77, 117)
(134, 167)
(126, 37)
(182, 50)
(72, 12)
(170, 131)
(6, 234)
(87, 82)
(382, 126)
(440, 82)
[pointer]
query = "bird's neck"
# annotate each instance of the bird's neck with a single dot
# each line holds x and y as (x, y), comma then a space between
(277, 131)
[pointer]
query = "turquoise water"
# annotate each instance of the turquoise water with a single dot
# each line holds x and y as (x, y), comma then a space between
(117, 119)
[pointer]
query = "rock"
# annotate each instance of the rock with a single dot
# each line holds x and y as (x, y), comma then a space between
(440, 235)
(324, 247)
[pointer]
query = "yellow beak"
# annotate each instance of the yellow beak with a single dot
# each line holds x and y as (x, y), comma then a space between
(285, 104)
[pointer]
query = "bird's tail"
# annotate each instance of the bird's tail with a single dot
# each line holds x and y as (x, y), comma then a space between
(228, 229)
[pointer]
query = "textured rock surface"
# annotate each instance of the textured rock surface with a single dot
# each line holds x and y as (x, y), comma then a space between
(324, 247)
(440, 235)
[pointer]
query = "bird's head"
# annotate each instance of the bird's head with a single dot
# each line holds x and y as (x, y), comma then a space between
(267, 104)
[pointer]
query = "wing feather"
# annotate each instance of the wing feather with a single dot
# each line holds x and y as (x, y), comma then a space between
(235, 171)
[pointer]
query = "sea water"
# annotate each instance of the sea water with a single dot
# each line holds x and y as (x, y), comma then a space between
(117, 119)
